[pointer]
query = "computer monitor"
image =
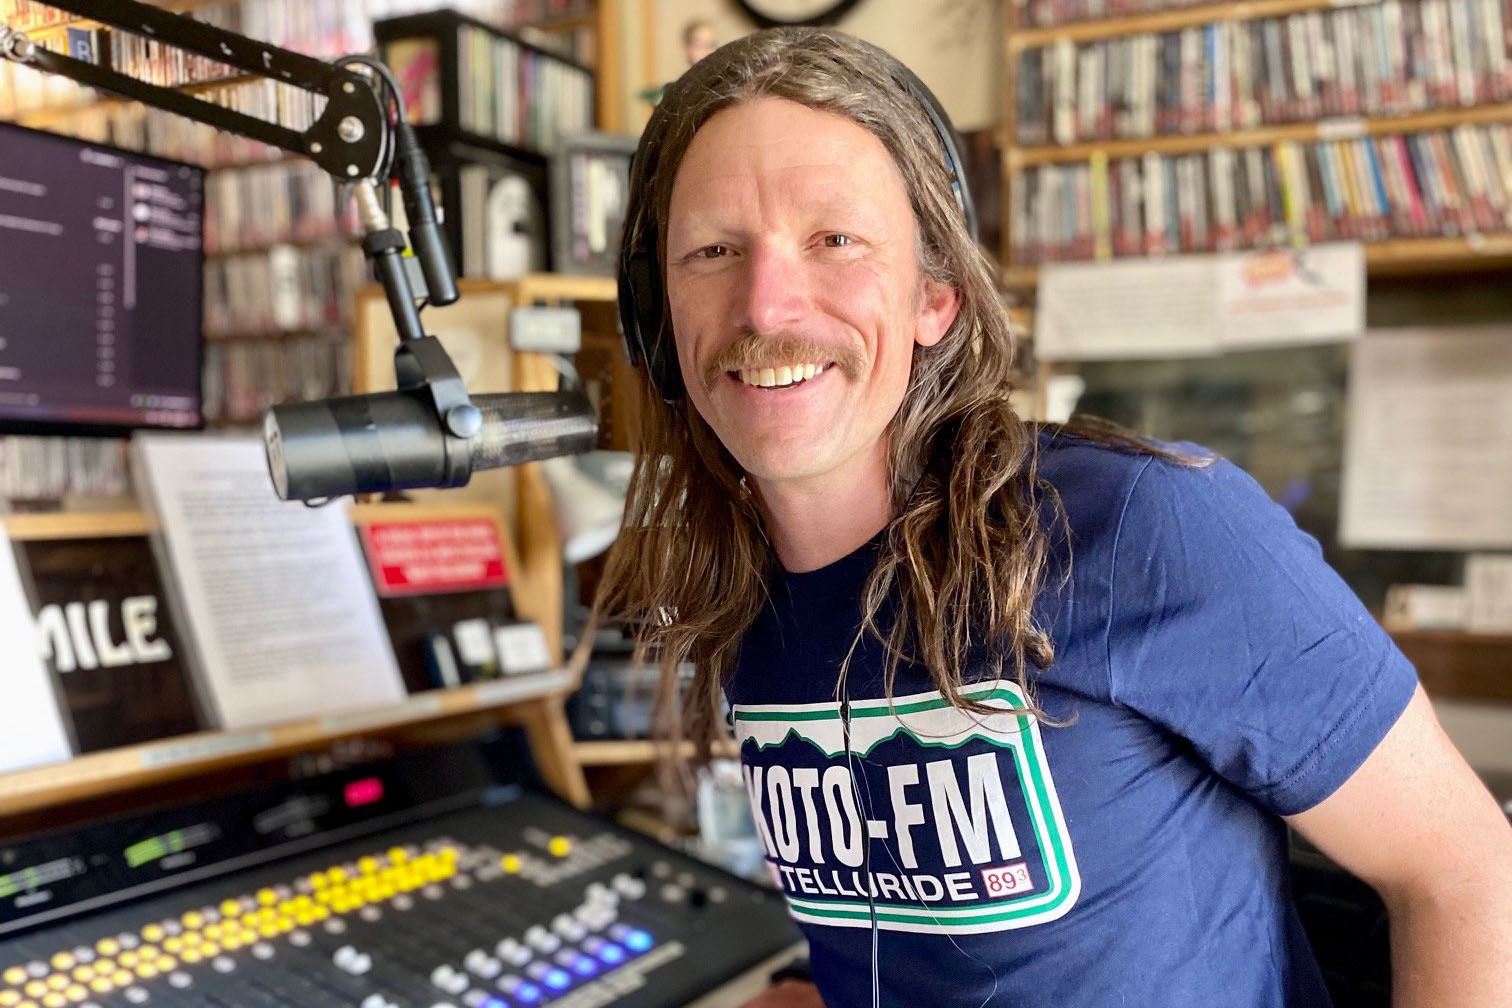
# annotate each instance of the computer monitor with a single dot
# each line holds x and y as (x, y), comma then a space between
(101, 282)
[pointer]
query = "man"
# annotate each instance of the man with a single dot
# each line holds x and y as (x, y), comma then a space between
(1024, 712)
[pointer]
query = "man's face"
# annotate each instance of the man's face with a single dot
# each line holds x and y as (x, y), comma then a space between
(796, 294)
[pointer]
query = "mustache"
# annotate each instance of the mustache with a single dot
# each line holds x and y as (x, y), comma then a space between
(753, 350)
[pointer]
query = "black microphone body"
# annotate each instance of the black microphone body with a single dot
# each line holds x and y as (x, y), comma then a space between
(395, 440)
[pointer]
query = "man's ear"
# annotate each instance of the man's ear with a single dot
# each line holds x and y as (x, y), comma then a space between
(939, 303)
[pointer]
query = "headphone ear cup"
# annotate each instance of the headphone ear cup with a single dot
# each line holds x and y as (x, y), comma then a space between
(642, 320)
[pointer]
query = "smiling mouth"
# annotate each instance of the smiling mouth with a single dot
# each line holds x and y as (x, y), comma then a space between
(778, 377)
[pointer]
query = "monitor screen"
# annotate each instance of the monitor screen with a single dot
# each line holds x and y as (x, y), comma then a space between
(100, 287)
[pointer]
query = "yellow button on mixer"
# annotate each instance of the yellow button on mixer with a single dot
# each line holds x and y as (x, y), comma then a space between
(15, 976)
(57, 981)
(76, 993)
(153, 933)
(101, 985)
(559, 846)
(193, 919)
(230, 908)
(510, 863)
(54, 999)
(63, 961)
(9, 998)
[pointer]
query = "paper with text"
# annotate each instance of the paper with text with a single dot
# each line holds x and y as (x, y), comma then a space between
(1428, 452)
(274, 596)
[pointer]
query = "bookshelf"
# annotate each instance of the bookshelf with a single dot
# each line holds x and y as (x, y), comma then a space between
(1387, 122)
(1093, 98)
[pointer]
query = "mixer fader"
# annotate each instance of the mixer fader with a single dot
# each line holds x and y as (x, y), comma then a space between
(514, 901)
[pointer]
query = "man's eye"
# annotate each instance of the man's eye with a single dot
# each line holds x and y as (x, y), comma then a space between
(838, 240)
(712, 251)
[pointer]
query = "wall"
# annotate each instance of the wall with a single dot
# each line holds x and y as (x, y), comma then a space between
(955, 46)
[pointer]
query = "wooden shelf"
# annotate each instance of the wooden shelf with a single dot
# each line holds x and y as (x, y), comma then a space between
(1164, 21)
(564, 23)
(1344, 128)
(76, 525)
(545, 287)
(627, 752)
(1395, 257)
(1460, 665)
(97, 774)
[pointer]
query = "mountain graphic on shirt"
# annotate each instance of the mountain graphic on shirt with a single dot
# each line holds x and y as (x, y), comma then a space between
(927, 817)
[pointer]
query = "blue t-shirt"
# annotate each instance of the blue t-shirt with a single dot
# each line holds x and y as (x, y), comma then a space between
(1215, 673)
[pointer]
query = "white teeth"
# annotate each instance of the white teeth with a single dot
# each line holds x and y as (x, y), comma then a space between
(780, 377)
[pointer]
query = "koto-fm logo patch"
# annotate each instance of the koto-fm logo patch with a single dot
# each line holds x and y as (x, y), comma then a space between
(933, 818)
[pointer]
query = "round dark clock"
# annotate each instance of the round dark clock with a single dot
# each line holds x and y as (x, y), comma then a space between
(772, 13)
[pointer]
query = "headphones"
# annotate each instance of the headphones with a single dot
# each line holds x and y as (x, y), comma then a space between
(648, 341)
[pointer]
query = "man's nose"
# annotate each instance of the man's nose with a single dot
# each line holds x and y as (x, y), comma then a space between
(777, 289)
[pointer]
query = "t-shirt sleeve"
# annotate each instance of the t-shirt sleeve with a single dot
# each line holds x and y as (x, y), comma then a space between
(1229, 630)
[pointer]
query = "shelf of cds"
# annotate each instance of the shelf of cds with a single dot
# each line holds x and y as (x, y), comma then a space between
(1205, 128)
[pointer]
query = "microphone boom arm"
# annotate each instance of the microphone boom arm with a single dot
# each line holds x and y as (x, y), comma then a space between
(352, 139)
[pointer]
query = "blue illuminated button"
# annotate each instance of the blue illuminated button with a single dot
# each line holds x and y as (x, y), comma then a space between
(493, 1002)
(551, 976)
(632, 938)
(607, 952)
(523, 991)
(580, 964)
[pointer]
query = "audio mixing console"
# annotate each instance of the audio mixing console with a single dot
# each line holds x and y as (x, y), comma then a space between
(426, 882)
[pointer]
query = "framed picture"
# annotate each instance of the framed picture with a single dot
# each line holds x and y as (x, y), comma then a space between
(590, 187)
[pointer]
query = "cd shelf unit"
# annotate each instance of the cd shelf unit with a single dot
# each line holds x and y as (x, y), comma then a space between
(1107, 97)
(1321, 90)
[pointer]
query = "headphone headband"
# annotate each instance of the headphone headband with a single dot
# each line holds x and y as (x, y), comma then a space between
(641, 298)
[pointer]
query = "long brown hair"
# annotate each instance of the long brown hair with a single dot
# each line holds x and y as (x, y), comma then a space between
(967, 553)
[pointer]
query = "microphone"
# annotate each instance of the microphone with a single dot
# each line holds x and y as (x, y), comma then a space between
(396, 441)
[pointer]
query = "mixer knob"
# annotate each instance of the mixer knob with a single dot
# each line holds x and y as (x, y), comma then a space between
(553, 978)
(522, 991)
(629, 886)
(377, 1001)
(542, 940)
(349, 960)
(483, 964)
(512, 952)
(673, 893)
(446, 978)
(568, 928)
